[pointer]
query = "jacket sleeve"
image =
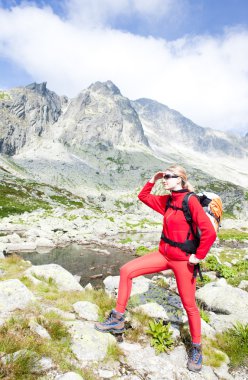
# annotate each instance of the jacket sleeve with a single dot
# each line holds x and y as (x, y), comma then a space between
(202, 221)
(156, 202)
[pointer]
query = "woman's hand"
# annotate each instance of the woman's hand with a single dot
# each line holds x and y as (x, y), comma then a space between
(158, 175)
(193, 260)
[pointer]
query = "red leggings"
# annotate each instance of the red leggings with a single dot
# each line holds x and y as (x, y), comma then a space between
(186, 284)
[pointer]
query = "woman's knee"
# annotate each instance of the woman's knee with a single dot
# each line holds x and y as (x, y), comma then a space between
(125, 270)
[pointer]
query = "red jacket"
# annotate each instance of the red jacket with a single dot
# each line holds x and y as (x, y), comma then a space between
(175, 226)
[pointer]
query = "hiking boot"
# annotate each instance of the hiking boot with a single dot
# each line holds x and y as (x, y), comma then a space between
(195, 358)
(114, 323)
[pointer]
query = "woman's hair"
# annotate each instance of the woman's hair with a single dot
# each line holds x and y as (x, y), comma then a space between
(181, 172)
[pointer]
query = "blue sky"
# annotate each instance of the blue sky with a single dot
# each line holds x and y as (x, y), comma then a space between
(188, 54)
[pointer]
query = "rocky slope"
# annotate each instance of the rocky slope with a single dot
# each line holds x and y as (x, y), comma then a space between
(100, 141)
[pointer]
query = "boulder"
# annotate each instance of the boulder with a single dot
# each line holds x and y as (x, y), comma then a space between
(64, 279)
(154, 310)
(222, 298)
(86, 310)
(88, 344)
(14, 295)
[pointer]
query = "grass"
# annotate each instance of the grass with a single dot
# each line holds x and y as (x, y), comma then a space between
(142, 250)
(234, 342)
(114, 353)
(16, 335)
(13, 267)
(141, 322)
(125, 241)
(16, 200)
(232, 234)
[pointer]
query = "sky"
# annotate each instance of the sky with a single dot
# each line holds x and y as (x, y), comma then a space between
(191, 55)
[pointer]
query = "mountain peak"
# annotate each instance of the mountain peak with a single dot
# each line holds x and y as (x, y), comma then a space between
(40, 88)
(105, 87)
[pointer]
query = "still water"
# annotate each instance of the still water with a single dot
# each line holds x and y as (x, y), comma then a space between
(92, 262)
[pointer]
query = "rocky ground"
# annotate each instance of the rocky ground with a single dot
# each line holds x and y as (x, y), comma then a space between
(34, 292)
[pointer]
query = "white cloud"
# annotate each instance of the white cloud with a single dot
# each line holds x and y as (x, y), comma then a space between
(204, 77)
(102, 12)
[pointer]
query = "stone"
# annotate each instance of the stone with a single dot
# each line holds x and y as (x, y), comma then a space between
(14, 295)
(20, 247)
(38, 329)
(222, 322)
(69, 376)
(64, 279)
(243, 284)
(88, 344)
(44, 242)
(207, 330)
(214, 296)
(86, 310)
(222, 372)
(153, 310)
(43, 365)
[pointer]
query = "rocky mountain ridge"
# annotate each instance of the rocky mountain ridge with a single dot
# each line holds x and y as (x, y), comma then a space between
(102, 140)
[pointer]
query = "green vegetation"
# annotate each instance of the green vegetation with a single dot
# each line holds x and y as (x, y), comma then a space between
(142, 250)
(161, 336)
(125, 241)
(4, 95)
(233, 275)
(13, 267)
(123, 204)
(212, 356)
(206, 280)
(142, 223)
(234, 342)
(162, 283)
(204, 315)
(16, 335)
(18, 196)
(140, 320)
(228, 234)
(17, 200)
(67, 202)
(113, 353)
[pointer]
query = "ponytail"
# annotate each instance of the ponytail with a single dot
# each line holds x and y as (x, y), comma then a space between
(187, 185)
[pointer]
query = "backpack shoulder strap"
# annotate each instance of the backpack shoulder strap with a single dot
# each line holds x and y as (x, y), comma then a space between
(185, 206)
(187, 213)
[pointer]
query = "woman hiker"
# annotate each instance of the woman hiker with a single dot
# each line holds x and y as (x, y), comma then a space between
(175, 229)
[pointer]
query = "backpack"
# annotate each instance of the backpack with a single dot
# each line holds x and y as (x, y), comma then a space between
(212, 205)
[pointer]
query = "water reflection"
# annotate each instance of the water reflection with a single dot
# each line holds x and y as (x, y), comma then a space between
(93, 263)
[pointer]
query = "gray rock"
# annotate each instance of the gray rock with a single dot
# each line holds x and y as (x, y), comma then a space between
(64, 279)
(153, 310)
(207, 330)
(222, 322)
(38, 329)
(21, 247)
(214, 296)
(86, 310)
(243, 284)
(14, 295)
(69, 376)
(222, 372)
(88, 344)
